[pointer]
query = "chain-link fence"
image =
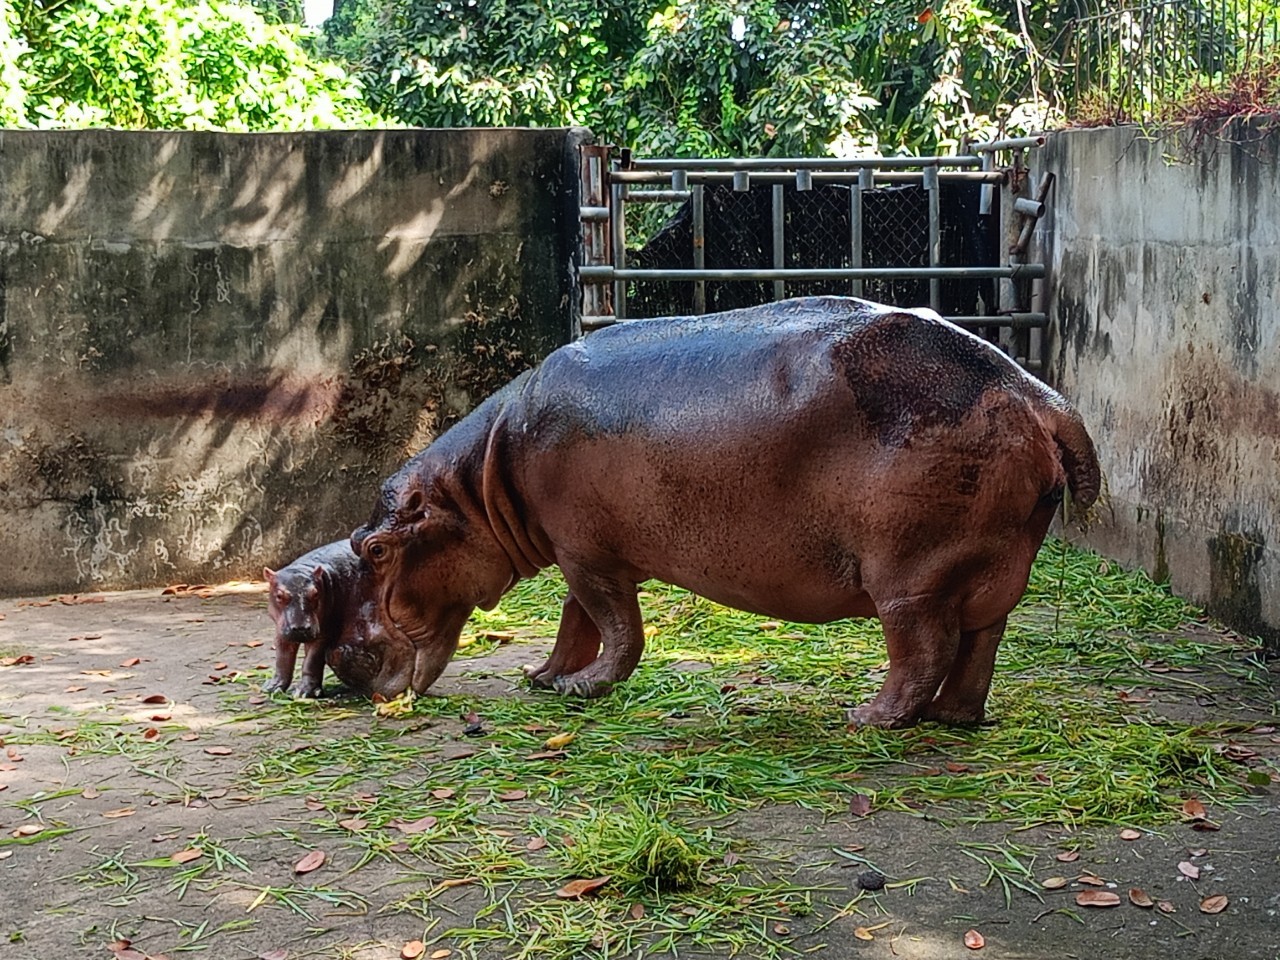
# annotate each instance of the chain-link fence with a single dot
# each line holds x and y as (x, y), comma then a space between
(739, 234)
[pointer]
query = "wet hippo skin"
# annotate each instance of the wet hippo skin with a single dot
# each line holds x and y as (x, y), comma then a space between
(808, 460)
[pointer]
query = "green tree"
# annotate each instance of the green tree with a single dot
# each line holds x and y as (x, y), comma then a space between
(173, 64)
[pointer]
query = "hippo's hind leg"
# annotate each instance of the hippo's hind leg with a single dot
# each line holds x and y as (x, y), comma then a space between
(963, 696)
(923, 637)
(577, 646)
(614, 609)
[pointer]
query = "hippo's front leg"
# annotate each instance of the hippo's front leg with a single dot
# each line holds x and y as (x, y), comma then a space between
(613, 607)
(312, 680)
(577, 646)
(923, 638)
(286, 656)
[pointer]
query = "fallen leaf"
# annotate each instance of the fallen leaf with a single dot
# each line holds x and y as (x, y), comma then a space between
(131, 662)
(354, 824)
(253, 643)
(1068, 856)
(187, 855)
(313, 805)
(122, 812)
(219, 751)
(1193, 809)
(1054, 883)
(1205, 826)
(311, 861)
(164, 837)
(1189, 870)
(128, 953)
(415, 826)
(412, 950)
(509, 796)
(28, 830)
(457, 751)
(974, 940)
(1166, 906)
(161, 717)
(859, 805)
(537, 843)
(75, 689)
(574, 889)
(17, 661)
(637, 911)
(280, 954)
(1198, 851)
(1138, 897)
(957, 768)
(443, 793)
(1130, 834)
(75, 599)
(781, 929)
(862, 933)
(1090, 879)
(150, 733)
(548, 755)
(1214, 904)
(190, 736)
(440, 954)
(155, 698)
(1097, 898)
(559, 741)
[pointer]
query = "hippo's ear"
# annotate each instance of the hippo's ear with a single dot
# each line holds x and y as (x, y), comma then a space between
(269, 575)
(318, 576)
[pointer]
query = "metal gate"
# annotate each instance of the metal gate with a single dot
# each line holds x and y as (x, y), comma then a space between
(951, 233)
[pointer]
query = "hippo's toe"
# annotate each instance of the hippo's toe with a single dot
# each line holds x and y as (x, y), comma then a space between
(305, 691)
(272, 685)
(869, 715)
(580, 687)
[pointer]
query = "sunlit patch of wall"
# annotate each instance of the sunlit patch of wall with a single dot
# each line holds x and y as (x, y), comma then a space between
(213, 347)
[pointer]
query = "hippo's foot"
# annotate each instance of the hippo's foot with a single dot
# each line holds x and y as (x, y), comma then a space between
(576, 686)
(540, 676)
(274, 684)
(957, 715)
(874, 714)
(305, 690)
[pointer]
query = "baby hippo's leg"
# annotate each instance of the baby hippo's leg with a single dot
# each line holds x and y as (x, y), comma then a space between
(286, 655)
(311, 681)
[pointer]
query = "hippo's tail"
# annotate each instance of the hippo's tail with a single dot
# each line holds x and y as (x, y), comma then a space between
(1079, 459)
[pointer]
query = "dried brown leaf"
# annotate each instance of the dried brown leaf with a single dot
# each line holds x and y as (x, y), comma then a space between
(548, 755)
(537, 843)
(313, 860)
(1139, 898)
(354, 824)
(1054, 883)
(440, 954)
(187, 855)
(1193, 809)
(443, 793)
(509, 796)
(1097, 898)
(859, 805)
(1189, 870)
(413, 950)
(1068, 856)
(862, 933)
(219, 751)
(1130, 834)
(457, 751)
(1214, 904)
(155, 698)
(1166, 906)
(279, 954)
(131, 662)
(420, 825)
(575, 889)
(974, 940)
(117, 814)
(637, 911)
(1090, 879)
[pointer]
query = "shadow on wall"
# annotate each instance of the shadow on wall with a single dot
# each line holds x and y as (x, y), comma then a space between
(213, 347)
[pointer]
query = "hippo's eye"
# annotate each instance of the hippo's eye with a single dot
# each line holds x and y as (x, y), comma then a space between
(377, 551)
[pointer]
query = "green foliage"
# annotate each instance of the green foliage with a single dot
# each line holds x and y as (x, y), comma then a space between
(171, 64)
(13, 79)
(715, 77)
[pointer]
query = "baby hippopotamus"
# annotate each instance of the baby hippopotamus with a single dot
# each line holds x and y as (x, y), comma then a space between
(323, 601)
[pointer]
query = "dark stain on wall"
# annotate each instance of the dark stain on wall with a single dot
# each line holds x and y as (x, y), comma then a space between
(1234, 594)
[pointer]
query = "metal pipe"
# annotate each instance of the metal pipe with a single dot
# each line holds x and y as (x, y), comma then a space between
(594, 214)
(866, 179)
(1017, 143)
(1029, 271)
(984, 195)
(817, 176)
(779, 242)
(657, 196)
(699, 249)
(1015, 321)
(741, 181)
(618, 239)
(680, 180)
(810, 163)
(804, 181)
(935, 234)
(1028, 207)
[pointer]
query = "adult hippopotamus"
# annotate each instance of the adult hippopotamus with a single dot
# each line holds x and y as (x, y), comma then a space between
(808, 460)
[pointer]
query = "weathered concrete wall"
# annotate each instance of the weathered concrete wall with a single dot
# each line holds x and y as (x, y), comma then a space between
(213, 347)
(1165, 259)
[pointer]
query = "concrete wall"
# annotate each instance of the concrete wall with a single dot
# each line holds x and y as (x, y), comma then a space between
(213, 347)
(1165, 304)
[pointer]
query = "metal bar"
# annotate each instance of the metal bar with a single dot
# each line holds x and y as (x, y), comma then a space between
(811, 163)
(866, 178)
(1015, 321)
(1018, 143)
(935, 234)
(619, 243)
(590, 323)
(657, 196)
(1028, 207)
(779, 242)
(594, 214)
(819, 176)
(1028, 271)
(984, 195)
(699, 250)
